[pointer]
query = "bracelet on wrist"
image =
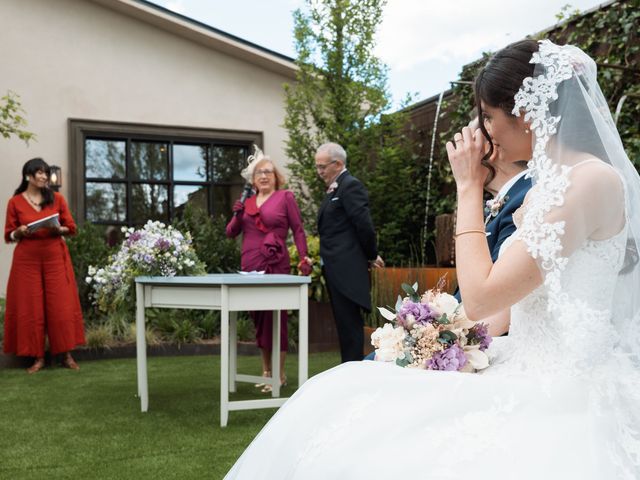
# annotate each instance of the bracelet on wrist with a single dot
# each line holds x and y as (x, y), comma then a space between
(464, 232)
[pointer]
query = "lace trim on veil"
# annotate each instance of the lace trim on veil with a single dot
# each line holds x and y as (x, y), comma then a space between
(543, 239)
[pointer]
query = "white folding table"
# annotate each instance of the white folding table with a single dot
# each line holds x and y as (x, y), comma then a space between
(228, 293)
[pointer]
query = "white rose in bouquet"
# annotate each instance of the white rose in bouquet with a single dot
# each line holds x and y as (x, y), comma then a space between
(388, 343)
(446, 304)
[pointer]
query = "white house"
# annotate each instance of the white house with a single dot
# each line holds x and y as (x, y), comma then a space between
(142, 108)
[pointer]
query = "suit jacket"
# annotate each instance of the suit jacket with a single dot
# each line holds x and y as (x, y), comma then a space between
(347, 239)
(501, 226)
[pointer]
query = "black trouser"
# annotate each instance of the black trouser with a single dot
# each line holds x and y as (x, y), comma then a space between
(349, 323)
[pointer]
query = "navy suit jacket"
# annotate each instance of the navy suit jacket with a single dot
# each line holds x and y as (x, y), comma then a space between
(347, 239)
(501, 226)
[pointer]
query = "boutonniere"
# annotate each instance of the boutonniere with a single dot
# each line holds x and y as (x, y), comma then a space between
(332, 187)
(493, 206)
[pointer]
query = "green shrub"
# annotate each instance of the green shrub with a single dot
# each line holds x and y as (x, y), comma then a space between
(171, 325)
(151, 336)
(88, 247)
(208, 321)
(160, 320)
(99, 336)
(119, 323)
(317, 288)
(245, 328)
(293, 330)
(183, 330)
(219, 253)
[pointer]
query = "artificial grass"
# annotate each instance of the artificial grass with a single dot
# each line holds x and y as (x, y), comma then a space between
(63, 424)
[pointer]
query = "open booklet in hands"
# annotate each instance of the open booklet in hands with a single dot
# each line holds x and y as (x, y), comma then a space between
(52, 221)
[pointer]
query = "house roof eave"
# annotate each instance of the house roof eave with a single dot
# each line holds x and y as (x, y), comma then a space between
(203, 34)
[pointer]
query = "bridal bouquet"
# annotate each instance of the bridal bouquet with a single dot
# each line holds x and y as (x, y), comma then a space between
(155, 249)
(431, 332)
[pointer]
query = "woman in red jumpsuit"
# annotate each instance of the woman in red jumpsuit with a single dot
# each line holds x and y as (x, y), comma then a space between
(42, 296)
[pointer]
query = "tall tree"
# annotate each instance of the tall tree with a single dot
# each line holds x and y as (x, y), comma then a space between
(341, 91)
(340, 96)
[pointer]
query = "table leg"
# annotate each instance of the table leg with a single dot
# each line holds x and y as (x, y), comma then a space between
(303, 340)
(233, 350)
(275, 354)
(141, 349)
(224, 356)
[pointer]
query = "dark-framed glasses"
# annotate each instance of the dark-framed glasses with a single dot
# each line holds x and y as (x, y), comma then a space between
(321, 167)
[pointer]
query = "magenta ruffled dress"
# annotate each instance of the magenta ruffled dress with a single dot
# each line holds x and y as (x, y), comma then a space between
(264, 247)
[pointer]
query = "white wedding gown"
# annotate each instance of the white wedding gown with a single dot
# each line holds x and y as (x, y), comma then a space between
(556, 403)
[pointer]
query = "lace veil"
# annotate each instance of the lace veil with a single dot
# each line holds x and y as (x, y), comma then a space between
(571, 124)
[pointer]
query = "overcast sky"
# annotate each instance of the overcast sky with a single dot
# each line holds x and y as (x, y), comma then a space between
(425, 43)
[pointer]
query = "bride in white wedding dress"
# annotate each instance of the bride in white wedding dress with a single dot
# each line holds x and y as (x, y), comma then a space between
(562, 398)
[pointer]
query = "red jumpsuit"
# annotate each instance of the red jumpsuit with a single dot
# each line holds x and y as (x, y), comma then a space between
(42, 295)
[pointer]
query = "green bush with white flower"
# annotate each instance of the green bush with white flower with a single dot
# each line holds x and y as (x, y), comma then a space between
(318, 288)
(155, 249)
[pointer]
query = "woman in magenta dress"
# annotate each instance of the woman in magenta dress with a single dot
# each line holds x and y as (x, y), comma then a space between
(264, 220)
(42, 296)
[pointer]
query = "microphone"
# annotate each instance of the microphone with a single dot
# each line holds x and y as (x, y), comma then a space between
(247, 191)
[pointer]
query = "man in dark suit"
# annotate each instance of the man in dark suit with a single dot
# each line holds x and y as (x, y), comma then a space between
(500, 224)
(347, 246)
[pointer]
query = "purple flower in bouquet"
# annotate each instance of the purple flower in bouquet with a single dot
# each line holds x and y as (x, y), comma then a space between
(479, 335)
(453, 358)
(421, 313)
(482, 334)
(134, 237)
(163, 244)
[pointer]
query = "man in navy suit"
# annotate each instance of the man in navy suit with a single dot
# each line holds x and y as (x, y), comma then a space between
(500, 224)
(347, 247)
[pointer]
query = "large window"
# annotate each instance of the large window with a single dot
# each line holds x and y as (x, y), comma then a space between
(128, 174)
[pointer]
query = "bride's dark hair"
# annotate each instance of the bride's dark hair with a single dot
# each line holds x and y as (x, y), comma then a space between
(499, 81)
(31, 168)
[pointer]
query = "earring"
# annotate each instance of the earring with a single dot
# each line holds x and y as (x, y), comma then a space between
(26, 179)
(527, 131)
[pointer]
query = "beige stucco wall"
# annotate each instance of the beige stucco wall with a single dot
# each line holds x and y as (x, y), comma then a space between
(77, 59)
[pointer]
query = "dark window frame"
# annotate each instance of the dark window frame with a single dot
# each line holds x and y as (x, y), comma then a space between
(82, 129)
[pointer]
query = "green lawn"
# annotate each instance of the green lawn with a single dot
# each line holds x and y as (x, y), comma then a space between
(62, 424)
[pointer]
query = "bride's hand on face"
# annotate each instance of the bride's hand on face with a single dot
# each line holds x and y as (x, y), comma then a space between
(465, 154)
